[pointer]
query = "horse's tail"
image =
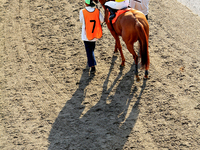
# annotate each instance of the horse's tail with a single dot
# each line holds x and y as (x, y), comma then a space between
(143, 40)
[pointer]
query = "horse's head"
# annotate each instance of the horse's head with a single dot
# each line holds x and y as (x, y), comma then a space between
(96, 1)
(101, 1)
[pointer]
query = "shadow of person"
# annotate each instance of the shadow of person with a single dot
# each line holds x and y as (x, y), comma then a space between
(106, 126)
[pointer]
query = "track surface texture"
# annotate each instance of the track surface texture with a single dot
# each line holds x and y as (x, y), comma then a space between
(49, 100)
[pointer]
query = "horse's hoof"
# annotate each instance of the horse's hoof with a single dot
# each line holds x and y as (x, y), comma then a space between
(116, 51)
(122, 65)
(138, 79)
(146, 77)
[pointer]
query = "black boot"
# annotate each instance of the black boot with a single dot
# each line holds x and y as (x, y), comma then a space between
(112, 13)
(93, 69)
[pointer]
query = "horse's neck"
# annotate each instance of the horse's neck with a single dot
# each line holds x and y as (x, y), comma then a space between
(106, 14)
(102, 2)
(104, 7)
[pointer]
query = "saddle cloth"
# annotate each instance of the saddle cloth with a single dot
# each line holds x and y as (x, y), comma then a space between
(118, 13)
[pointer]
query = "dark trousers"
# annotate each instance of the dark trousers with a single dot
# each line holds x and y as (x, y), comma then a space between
(89, 47)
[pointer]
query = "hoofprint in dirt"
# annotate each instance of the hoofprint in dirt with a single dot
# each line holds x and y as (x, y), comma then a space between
(50, 101)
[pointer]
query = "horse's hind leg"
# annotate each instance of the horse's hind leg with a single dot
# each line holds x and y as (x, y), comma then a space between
(130, 47)
(146, 73)
(116, 48)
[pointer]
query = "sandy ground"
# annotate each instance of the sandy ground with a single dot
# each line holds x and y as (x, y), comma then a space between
(50, 101)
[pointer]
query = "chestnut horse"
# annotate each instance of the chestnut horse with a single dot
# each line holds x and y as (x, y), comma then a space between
(132, 26)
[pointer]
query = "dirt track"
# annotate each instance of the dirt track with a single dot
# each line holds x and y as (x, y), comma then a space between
(49, 100)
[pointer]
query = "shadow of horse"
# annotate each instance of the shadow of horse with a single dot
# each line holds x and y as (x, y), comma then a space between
(106, 126)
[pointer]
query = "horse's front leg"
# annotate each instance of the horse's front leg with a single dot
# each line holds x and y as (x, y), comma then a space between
(118, 46)
(122, 55)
